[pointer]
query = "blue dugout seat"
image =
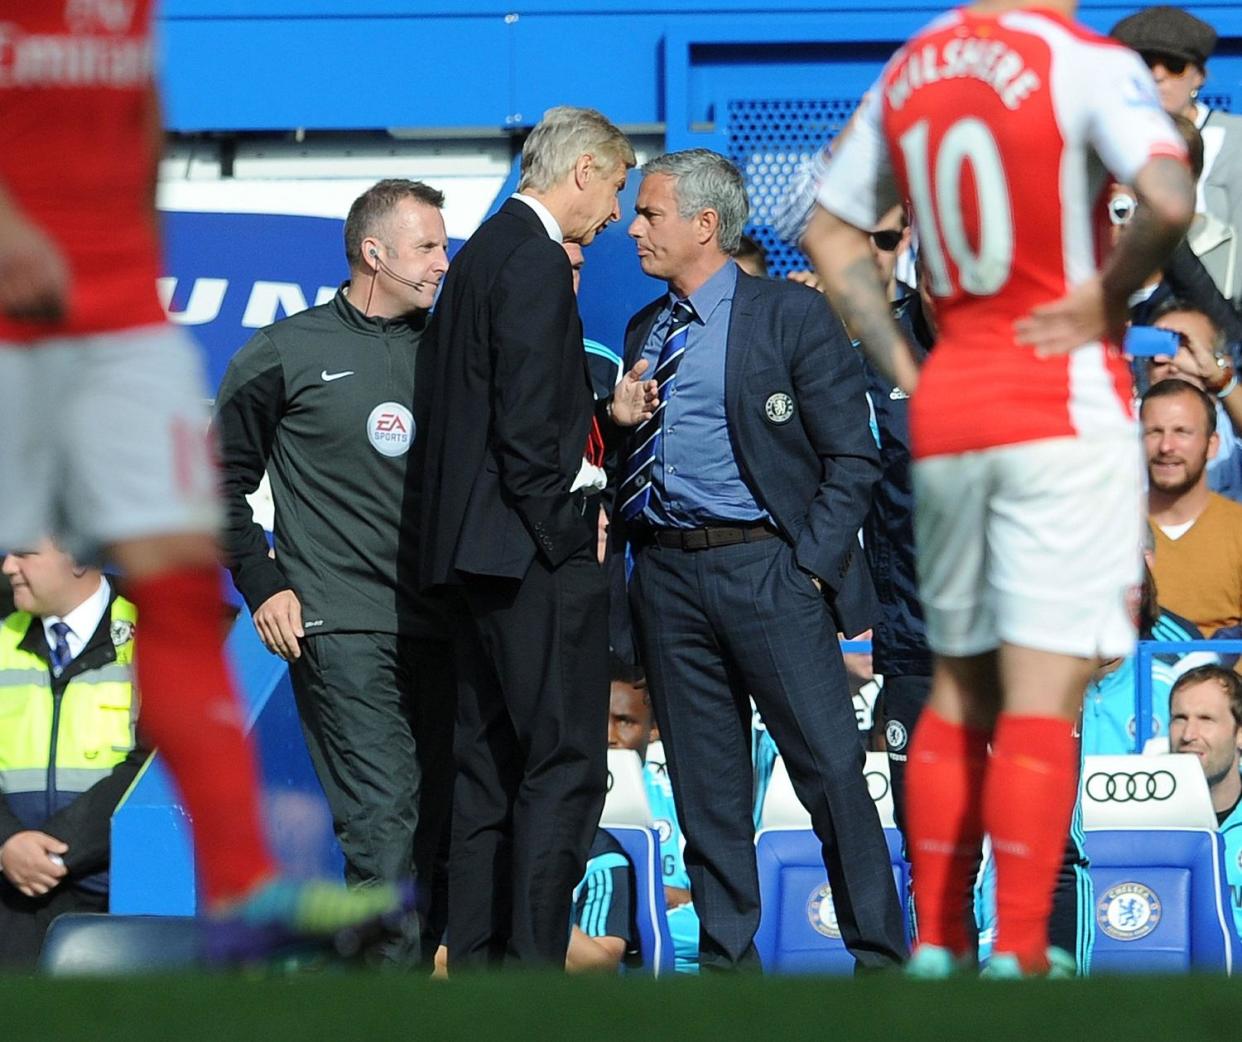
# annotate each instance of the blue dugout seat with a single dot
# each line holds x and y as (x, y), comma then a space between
(1161, 901)
(798, 925)
(642, 847)
(98, 944)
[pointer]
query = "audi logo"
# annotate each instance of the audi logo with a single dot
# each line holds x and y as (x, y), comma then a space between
(1139, 787)
(877, 785)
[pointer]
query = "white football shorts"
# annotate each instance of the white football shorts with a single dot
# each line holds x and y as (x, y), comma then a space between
(1036, 544)
(103, 439)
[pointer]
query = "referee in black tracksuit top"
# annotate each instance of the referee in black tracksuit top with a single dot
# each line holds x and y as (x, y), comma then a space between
(322, 401)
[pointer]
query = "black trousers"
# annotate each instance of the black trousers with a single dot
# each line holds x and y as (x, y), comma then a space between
(1071, 926)
(531, 745)
(377, 714)
(24, 920)
(716, 626)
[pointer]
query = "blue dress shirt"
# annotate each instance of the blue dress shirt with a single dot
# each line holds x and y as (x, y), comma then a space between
(695, 478)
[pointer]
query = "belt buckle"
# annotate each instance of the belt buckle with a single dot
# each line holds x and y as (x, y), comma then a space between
(696, 539)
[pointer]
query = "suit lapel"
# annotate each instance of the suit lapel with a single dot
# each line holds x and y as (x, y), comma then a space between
(525, 214)
(640, 331)
(741, 337)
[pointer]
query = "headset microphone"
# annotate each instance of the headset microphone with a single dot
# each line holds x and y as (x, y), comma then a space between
(393, 275)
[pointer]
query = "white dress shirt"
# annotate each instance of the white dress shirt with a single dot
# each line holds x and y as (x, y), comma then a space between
(550, 223)
(82, 621)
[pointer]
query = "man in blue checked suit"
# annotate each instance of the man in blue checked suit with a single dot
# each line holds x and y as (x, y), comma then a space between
(742, 498)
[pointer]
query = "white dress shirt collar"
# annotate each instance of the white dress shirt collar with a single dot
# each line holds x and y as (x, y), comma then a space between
(549, 222)
(82, 621)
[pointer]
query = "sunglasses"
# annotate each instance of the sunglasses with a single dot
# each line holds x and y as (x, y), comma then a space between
(1121, 209)
(886, 240)
(1174, 66)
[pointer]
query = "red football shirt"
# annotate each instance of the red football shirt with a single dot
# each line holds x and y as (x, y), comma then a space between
(78, 120)
(1001, 131)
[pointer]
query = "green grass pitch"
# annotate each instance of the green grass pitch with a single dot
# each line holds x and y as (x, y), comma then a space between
(353, 1006)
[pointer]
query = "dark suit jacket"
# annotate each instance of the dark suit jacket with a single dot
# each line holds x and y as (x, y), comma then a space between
(504, 404)
(813, 469)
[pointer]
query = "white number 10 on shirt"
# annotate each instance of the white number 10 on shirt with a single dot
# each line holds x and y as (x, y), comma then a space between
(935, 190)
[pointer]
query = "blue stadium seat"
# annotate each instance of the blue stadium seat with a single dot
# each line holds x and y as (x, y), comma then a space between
(642, 847)
(1161, 901)
(798, 925)
(97, 944)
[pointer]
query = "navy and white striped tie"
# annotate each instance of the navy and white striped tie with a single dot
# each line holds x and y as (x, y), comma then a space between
(635, 488)
(61, 656)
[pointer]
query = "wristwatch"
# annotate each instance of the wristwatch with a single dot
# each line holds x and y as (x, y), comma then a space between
(1226, 380)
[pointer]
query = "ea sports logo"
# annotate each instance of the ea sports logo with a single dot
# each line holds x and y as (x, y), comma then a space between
(390, 429)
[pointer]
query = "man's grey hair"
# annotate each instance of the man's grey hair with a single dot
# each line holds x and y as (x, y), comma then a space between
(706, 180)
(370, 212)
(563, 135)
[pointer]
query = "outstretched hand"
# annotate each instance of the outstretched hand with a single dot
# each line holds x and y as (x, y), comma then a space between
(1081, 316)
(634, 398)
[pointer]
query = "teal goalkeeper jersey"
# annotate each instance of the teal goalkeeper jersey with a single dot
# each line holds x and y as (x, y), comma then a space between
(1231, 830)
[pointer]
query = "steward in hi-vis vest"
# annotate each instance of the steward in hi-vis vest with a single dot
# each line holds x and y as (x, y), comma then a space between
(68, 753)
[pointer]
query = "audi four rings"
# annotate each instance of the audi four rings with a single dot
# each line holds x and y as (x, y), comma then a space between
(1127, 787)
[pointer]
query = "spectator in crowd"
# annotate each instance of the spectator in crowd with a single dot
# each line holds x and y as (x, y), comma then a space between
(1168, 625)
(1185, 275)
(1205, 719)
(67, 746)
(1198, 533)
(751, 257)
(742, 499)
(509, 415)
(899, 641)
(603, 936)
(320, 401)
(1176, 46)
(630, 724)
(1203, 359)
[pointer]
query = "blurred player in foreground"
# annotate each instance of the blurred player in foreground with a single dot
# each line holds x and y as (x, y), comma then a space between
(102, 423)
(997, 122)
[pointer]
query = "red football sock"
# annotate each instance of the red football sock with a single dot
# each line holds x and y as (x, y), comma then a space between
(1027, 806)
(190, 711)
(944, 789)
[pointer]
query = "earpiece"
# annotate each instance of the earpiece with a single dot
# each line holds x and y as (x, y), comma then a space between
(373, 253)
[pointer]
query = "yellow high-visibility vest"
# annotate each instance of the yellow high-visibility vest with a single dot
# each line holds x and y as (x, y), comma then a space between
(88, 733)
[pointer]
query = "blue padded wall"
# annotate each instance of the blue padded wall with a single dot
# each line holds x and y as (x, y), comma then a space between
(152, 860)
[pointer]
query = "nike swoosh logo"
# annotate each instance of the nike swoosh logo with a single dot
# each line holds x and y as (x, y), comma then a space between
(329, 377)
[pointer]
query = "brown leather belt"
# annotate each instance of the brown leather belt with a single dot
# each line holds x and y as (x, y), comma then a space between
(704, 538)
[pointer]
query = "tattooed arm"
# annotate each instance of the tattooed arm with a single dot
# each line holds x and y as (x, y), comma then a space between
(842, 256)
(1098, 307)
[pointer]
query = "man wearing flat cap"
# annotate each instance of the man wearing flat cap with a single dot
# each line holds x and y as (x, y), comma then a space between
(1176, 46)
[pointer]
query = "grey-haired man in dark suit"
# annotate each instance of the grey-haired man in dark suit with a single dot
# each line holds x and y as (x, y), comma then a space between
(507, 414)
(743, 497)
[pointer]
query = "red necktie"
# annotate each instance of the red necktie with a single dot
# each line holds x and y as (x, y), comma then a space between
(594, 453)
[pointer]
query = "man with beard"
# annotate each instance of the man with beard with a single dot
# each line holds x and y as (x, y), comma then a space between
(1198, 566)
